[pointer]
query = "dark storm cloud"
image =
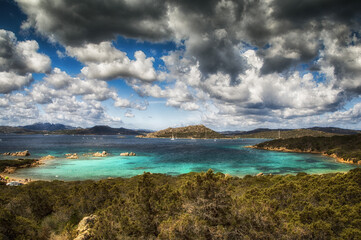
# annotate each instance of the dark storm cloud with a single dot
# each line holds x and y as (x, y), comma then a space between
(74, 23)
(212, 31)
(92, 21)
(300, 12)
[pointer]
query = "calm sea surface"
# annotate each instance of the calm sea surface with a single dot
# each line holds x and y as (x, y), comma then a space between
(157, 156)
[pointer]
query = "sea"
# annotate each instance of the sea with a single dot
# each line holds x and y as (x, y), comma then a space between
(229, 156)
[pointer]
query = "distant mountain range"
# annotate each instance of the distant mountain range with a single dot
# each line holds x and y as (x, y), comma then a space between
(46, 127)
(196, 131)
(287, 133)
(49, 128)
(101, 130)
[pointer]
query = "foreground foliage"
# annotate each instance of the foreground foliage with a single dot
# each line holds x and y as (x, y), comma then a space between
(347, 147)
(190, 206)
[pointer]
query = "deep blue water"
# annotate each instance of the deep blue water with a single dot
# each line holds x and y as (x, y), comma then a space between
(157, 156)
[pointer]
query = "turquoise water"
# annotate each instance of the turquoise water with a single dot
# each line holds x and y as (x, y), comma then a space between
(158, 156)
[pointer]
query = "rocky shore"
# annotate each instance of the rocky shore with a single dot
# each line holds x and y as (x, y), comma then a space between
(17, 154)
(283, 149)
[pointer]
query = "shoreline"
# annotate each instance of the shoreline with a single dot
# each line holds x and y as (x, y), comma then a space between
(184, 138)
(283, 149)
(44, 160)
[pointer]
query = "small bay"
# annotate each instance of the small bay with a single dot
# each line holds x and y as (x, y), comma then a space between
(157, 156)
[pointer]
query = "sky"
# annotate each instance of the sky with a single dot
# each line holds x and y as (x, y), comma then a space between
(153, 64)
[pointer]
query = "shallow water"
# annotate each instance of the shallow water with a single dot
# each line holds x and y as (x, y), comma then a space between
(158, 156)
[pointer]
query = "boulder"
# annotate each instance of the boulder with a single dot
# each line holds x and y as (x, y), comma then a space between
(18, 154)
(72, 156)
(99, 154)
(84, 228)
(259, 174)
(128, 154)
(44, 158)
(9, 170)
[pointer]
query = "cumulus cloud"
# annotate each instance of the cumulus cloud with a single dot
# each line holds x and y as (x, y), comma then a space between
(17, 109)
(245, 61)
(129, 114)
(57, 99)
(214, 32)
(10, 81)
(104, 61)
(21, 57)
(18, 60)
(59, 84)
(177, 96)
(255, 97)
(75, 112)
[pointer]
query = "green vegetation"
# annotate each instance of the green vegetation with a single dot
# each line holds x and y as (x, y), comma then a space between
(16, 163)
(190, 206)
(195, 131)
(296, 133)
(347, 147)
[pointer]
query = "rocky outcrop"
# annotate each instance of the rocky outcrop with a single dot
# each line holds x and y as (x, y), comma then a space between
(44, 158)
(128, 154)
(9, 170)
(100, 154)
(283, 149)
(72, 155)
(18, 154)
(84, 228)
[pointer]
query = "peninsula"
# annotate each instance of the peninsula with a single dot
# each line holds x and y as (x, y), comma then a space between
(346, 148)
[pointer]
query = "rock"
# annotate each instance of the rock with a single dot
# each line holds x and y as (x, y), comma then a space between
(98, 154)
(128, 154)
(18, 154)
(72, 156)
(9, 170)
(49, 157)
(84, 228)
(259, 174)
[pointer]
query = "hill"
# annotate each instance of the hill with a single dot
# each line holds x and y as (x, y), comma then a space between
(99, 130)
(336, 130)
(15, 130)
(46, 127)
(296, 133)
(195, 131)
(346, 148)
(203, 205)
(60, 129)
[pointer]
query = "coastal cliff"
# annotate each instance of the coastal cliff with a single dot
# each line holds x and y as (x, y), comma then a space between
(195, 131)
(343, 148)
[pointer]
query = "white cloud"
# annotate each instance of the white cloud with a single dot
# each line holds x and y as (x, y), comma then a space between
(104, 61)
(18, 60)
(78, 113)
(59, 83)
(17, 109)
(21, 57)
(129, 114)
(10, 81)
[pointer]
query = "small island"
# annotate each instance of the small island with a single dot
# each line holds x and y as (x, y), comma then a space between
(194, 131)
